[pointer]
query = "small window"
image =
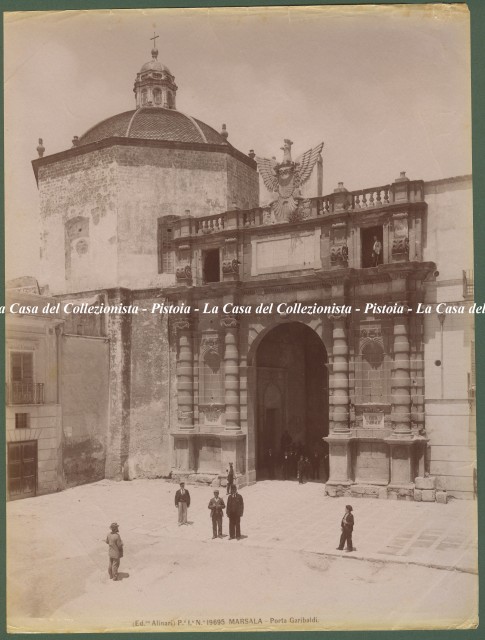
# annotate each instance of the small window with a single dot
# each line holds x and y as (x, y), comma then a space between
(22, 367)
(22, 420)
(165, 244)
(372, 247)
(212, 272)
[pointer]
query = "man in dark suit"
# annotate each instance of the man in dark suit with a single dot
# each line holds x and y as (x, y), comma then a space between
(347, 528)
(217, 506)
(234, 511)
(182, 502)
(230, 478)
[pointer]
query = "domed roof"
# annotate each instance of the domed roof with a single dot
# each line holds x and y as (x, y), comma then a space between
(153, 123)
(155, 65)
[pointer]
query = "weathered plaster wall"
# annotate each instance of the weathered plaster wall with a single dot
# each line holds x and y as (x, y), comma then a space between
(450, 421)
(84, 394)
(79, 186)
(150, 443)
(154, 182)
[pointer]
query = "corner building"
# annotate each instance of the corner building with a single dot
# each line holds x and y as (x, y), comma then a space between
(154, 206)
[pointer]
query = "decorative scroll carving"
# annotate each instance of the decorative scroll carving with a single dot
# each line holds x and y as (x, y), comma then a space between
(400, 242)
(211, 412)
(339, 255)
(184, 272)
(181, 324)
(230, 266)
(400, 247)
(229, 322)
(210, 342)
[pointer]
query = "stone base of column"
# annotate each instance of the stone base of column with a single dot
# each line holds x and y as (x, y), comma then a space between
(184, 452)
(340, 460)
(403, 463)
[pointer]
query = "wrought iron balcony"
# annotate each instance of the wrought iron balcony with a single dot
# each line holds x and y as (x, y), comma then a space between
(25, 393)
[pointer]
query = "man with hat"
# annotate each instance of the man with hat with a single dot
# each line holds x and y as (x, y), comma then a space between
(217, 506)
(182, 502)
(347, 528)
(234, 511)
(115, 551)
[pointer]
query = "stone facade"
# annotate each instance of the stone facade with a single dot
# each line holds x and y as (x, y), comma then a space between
(153, 207)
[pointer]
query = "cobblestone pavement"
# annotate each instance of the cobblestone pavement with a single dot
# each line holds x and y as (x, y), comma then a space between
(287, 552)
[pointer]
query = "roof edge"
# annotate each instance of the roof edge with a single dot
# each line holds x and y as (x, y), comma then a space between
(141, 142)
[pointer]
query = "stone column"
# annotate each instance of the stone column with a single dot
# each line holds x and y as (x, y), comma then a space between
(401, 380)
(118, 436)
(339, 375)
(185, 381)
(231, 372)
(339, 438)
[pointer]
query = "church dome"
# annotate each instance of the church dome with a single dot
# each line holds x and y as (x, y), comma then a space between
(153, 123)
(156, 116)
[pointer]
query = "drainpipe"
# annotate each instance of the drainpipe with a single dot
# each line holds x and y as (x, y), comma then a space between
(441, 317)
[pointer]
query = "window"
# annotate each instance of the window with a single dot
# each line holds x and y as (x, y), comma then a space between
(77, 247)
(165, 244)
(372, 247)
(157, 96)
(22, 420)
(22, 367)
(211, 266)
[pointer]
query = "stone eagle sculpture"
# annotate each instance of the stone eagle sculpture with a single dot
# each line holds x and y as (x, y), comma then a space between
(284, 179)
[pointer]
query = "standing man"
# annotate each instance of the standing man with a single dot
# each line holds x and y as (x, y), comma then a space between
(115, 551)
(316, 464)
(270, 464)
(285, 465)
(301, 470)
(234, 511)
(182, 502)
(217, 506)
(230, 478)
(376, 252)
(347, 528)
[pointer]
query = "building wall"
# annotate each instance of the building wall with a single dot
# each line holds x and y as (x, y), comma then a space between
(150, 396)
(84, 396)
(45, 428)
(36, 334)
(100, 210)
(155, 182)
(450, 415)
(79, 187)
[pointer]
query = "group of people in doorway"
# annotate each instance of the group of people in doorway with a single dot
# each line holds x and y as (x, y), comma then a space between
(296, 461)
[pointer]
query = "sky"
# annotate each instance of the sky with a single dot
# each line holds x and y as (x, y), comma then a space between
(386, 88)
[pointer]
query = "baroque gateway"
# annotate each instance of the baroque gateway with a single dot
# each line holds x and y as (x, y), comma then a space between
(154, 207)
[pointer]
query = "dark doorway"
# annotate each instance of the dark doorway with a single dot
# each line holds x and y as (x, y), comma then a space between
(372, 247)
(212, 271)
(22, 469)
(292, 402)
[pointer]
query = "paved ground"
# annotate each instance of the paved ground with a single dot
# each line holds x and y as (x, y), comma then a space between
(414, 565)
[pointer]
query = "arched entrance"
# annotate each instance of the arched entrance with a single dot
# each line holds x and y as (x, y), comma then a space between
(291, 402)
